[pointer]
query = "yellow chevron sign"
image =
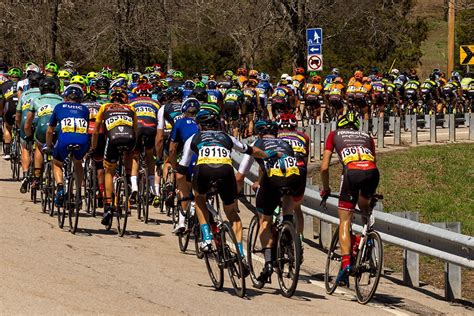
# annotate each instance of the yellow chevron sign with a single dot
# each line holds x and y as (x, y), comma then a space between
(466, 54)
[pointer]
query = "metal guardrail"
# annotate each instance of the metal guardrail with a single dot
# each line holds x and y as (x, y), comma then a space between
(410, 235)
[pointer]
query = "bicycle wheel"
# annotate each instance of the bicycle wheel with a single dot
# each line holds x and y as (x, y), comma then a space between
(145, 197)
(45, 187)
(141, 190)
(288, 259)
(214, 264)
(333, 263)
(72, 203)
(50, 193)
(61, 215)
(122, 205)
(197, 238)
(233, 259)
(183, 239)
(368, 267)
(255, 258)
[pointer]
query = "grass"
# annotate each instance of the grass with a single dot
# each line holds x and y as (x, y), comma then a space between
(436, 181)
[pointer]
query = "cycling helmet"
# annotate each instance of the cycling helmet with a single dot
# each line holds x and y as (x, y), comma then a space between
(106, 74)
(316, 79)
(34, 79)
(68, 64)
(119, 96)
(455, 75)
(73, 92)
(212, 85)
(122, 75)
(395, 72)
(15, 73)
(207, 118)
(358, 75)
(178, 75)
(252, 83)
(265, 77)
(64, 74)
(144, 90)
(263, 127)
(191, 105)
(32, 68)
(335, 71)
(102, 84)
(135, 76)
(52, 67)
(106, 68)
(48, 85)
(299, 71)
(91, 75)
(78, 80)
(156, 67)
(199, 84)
(284, 80)
(253, 73)
(211, 107)
(348, 120)
(188, 84)
(241, 72)
(338, 80)
(287, 121)
(200, 93)
(164, 84)
(118, 83)
(228, 73)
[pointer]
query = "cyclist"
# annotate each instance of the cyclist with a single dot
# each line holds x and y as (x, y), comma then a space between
(3, 72)
(199, 92)
(41, 109)
(312, 96)
(72, 119)
(429, 92)
(120, 126)
(276, 173)
(336, 92)
(330, 78)
(360, 178)
(214, 96)
(182, 130)
(411, 89)
(265, 90)
(23, 85)
(282, 97)
(226, 84)
(213, 149)
(379, 96)
(146, 111)
(22, 110)
(250, 105)
(241, 76)
(233, 100)
(299, 142)
(188, 87)
(8, 103)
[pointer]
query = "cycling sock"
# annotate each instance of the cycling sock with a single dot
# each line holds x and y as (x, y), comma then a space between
(267, 253)
(151, 181)
(25, 174)
(241, 248)
(346, 261)
(157, 188)
(37, 172)
(206, 232)
(181, 220)
(101, 189)
(301, 237)
(133, 182)
(7, 149)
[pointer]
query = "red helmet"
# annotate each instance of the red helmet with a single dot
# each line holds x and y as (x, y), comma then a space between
(299, 71)
(119, 96)
(316, 79)
(287, 120)
(157, 67)
(366, 79)
(106, 68)
(358, 75)
(253, 73)
(144, 90)
(241, 72)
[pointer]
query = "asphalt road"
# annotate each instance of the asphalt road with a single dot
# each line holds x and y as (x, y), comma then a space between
(47, 270)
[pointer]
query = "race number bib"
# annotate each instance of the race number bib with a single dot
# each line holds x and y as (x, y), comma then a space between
(74, 125)
(214, 155)
(118, 120)
(283, 167)
(356, 153)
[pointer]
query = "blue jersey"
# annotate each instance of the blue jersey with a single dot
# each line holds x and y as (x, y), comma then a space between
(72, 120)
(183, 129)
(214, 96)
(187, 93)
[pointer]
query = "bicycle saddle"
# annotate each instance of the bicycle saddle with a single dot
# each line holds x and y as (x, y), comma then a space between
(73, 147)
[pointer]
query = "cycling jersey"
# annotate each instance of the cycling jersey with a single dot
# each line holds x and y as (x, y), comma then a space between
(8, 93)
(412, 85)
(336, 89)
(467, 83)
(233, 99)
(312, 88)
(264, 88)
(72, 120)
(184, 128)
(168, 115)
(214, 96)
(378, 88)
(250, 100)
(187, 93)
(23, 107)
(223, 86)
(299, 142)
(146, 110)
(43, 106)
(94, 107)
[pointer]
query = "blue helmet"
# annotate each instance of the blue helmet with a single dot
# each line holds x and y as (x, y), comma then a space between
(74, 92)
(190, 103)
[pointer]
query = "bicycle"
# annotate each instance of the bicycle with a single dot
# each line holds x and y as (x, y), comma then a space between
(31, 147)
(47, 186)
(367, 265)
(191, 225)
(224, 251)
(144, 195)
(15, 154)
(286, 252)
(120, 197)
(72, 193)
(168, 195)
(90, 185)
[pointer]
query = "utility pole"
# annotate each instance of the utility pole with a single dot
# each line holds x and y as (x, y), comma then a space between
(451, 16)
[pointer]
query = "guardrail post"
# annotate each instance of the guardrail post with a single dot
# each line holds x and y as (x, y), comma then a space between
(452, 272)
(467, 120)
(452, 127)
(308, 231)
(397, 130)
(380, 132)
(407, 121)
(432, 121)
(327, 130)
(414, 130)
(471, 126)
(411, 260)
(317, 141)
(365, 126)
(391, 123)
(325, 234)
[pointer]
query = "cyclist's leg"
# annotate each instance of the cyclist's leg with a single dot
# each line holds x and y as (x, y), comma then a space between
(38, 163)
(25, 157)
(7, 136)
(200, 187)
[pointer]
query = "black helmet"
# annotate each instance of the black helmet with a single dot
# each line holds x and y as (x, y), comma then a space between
(102, 84)
(348, 120)
(200, 94)
(212, 85)
(263, 127)
(48, 85)
(34, 79)
(207, 118)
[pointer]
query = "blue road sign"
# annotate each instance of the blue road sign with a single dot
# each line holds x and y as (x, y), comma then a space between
(314, 36)
(315, 49)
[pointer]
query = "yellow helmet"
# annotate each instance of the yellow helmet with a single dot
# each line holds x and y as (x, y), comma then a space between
(64, 74)
(122, 75)
(92, 75)
(78, 80)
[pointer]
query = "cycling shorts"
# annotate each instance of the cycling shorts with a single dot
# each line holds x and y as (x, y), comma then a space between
(248, 108)
(231, 110)
(9, 112)
(60, 151)
(203, 175)
(355, 182)
(336, 101)
(145, 138)
(270, 192)
(100, 147)
(301, 186)
(112, 152)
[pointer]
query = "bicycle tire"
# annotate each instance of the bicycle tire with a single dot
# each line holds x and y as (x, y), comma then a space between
(214, 264)
(183, 239)
(255, 262)
(50, 193)
(197, 238)
(72, 203)
(122, 205)
(141, 188)
(61, 216)
(44, 188)
(288, 252)
(366, 266)
(146, 196)
(233, 259)
(333, 263)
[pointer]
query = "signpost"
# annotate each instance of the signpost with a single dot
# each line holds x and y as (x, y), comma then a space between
(314, 40)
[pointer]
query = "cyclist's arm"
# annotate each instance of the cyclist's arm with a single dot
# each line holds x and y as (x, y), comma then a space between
(324, 168)
(49, 132)
(186, 158)
(98, 127)
(29, 121)
(159, 140)
(173, 149)
(249, 150)
(18, 113)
